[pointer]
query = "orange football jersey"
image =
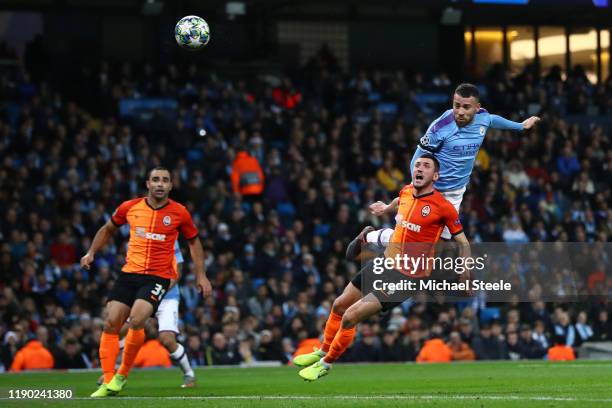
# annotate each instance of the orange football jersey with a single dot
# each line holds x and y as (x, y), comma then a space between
(418, 225)
(152, 235)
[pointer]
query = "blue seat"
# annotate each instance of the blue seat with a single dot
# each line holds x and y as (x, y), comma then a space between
(490, 313)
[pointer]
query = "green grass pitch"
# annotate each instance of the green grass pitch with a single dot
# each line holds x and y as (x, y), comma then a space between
(503, 384)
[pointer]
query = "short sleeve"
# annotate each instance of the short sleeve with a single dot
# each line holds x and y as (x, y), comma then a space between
(188, 228)
(451, 219)
(119, 217)
(433, 138)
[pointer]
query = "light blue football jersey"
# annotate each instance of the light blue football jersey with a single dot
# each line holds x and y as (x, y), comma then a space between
(456, 147)
(174, 294)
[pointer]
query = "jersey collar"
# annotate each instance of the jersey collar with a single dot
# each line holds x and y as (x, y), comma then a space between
(158, 208)
(423, 195)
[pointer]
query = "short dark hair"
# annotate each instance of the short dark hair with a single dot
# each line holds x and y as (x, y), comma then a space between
(157, 168)
(432, 158)
(467, 90)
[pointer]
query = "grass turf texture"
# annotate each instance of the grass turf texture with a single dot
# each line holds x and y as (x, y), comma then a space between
(501, 384)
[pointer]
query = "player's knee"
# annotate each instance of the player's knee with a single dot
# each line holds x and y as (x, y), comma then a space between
(350, 319)
(340, 305)
(111, 326)
(137, 322)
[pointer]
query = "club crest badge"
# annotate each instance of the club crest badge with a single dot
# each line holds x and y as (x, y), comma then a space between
(167, 220)
(425, 211)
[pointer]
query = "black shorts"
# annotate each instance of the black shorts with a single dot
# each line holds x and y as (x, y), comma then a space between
(132, 286)
(368, 281)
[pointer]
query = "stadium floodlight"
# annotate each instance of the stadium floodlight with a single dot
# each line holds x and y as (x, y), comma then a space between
(152, 7)
(450, 16)
(235, 8)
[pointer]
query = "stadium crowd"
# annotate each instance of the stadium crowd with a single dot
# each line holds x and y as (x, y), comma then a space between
(328, 143)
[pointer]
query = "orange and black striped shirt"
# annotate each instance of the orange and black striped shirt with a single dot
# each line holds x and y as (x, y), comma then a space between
(419, 223)
(152, 235)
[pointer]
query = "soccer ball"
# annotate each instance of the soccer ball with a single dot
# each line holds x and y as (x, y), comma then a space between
(192, 32)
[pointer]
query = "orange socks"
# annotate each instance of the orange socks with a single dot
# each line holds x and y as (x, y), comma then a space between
(331, 328)
(133, 341)
(109, 350)
(343, 339)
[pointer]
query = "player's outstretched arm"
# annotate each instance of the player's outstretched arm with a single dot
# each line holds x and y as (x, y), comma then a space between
(379, 208)
(101, 238)
(197, 254)
(498, 122)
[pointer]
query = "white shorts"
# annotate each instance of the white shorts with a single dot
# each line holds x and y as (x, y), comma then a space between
(454, 197)
(167, 315)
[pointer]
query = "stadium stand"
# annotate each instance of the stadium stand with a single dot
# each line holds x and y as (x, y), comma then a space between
(329, 143)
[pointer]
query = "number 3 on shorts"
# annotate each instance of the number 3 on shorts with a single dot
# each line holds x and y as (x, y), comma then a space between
(158, 290)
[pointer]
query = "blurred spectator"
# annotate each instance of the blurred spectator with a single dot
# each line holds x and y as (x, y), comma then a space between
(584, 332)
(435, 350)
(568, 163)
(72, 356)
(602, 328)
(220, 353)
(195, 352)
(390, 176)
(367, 348)
(247, 176)
(461, 351)
(34, 355)
(517, 176)
(260, 305)
(269, 349)
(560, 351)
(487, 346)
(530, 348)
(563, 328)
(391, 349)
(539, 335)
(514, 346)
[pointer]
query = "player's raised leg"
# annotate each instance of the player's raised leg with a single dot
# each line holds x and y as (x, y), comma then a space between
(116, 314)
(135, 338)
(350, 295)
(363, 309)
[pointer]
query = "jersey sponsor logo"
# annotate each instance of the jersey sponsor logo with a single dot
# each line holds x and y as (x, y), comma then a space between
(469, 146)
(425, 211)
(398, 218)
(167, 220)
(411, 226)
(142, 233)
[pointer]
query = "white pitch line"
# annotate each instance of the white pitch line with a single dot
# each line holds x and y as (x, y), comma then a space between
(353, 397)
(561, 365)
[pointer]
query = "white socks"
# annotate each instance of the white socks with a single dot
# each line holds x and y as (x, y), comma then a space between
(180, 357)
(380, 237)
